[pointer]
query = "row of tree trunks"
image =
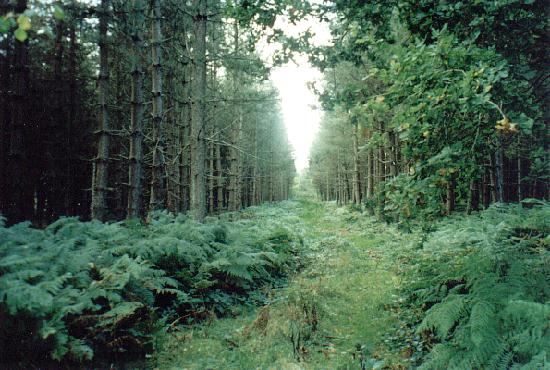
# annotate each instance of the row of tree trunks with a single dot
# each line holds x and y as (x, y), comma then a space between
(149, 150)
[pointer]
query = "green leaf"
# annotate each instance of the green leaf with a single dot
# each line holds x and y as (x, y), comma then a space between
(46, 331)
(526, 124)
(24, 22)
(4, 25)
(58, 13)
(20, 34)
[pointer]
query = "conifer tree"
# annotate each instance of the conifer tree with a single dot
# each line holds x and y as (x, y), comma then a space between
(101, 162)
(135, 172)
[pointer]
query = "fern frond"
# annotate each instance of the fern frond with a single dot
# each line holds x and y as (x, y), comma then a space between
(443, 316)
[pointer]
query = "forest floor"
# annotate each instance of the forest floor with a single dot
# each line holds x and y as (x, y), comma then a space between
(339, 311)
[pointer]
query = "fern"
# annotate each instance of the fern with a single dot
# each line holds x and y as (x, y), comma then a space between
(499, 263)
(442, 317)
(76, 290)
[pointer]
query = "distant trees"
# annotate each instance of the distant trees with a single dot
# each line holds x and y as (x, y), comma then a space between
(207, 138)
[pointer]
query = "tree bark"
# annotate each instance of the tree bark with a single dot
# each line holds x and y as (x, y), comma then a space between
(392, 154)
(473, 201)
(58, 151)
(451, 195)
(519, 169)
(486, 188)
(158, 182)
(72, 196)
(381, 157)
(135, 171)
(370, 174)
(198, 191)
(499, 174)
(271, 178)
(381, 174)
(185, 161)
(5, 118)
(236, 128)
(220, 179)
(20, 204)
(356, 176)
(370, 180)
(100, 173)
(211, 177)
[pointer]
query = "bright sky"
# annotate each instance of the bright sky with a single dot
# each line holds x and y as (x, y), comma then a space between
(299, 104)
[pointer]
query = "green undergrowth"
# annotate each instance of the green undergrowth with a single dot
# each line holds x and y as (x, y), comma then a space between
(333, 313)
(86, 292)
(478, 290)
(472, 293)
(295, 285)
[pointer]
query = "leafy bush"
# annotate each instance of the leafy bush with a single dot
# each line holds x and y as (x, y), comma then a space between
(76, 290)
(485, 287)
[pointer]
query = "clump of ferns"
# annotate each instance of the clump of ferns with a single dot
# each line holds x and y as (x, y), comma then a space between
(486, 291)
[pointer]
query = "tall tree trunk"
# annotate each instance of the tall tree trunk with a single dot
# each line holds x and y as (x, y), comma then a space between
(21, 194)
(211, 177)
(158, 181)
(186, 161)
(356, 176)
(486, 188)
(220, 180)
(338, 180)
(236, 128)
(100, 173)
(72, 196)
(519, 169)
(381, 174)
(451, 195)
(473, 201)
(392, 150)
(381, 157)
(271, 178)
(235, 200)
(135, 170)
(499, 173)
(348, 186)
(57, 149)
(370, 180)
(256, 181)
(370, 174)
(327, 186)
(493, 179)
(173, 183)
(198, 178)
(5, 118)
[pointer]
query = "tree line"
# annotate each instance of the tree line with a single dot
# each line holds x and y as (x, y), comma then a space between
(433, 106)
(114, 109)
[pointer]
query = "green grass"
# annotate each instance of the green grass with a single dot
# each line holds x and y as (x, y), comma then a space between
(332, 315)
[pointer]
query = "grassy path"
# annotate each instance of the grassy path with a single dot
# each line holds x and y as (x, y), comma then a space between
(333, 314)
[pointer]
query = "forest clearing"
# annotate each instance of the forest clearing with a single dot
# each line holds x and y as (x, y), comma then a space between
(285, 184)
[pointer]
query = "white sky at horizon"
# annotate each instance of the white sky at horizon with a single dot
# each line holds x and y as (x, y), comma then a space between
(300, 106)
